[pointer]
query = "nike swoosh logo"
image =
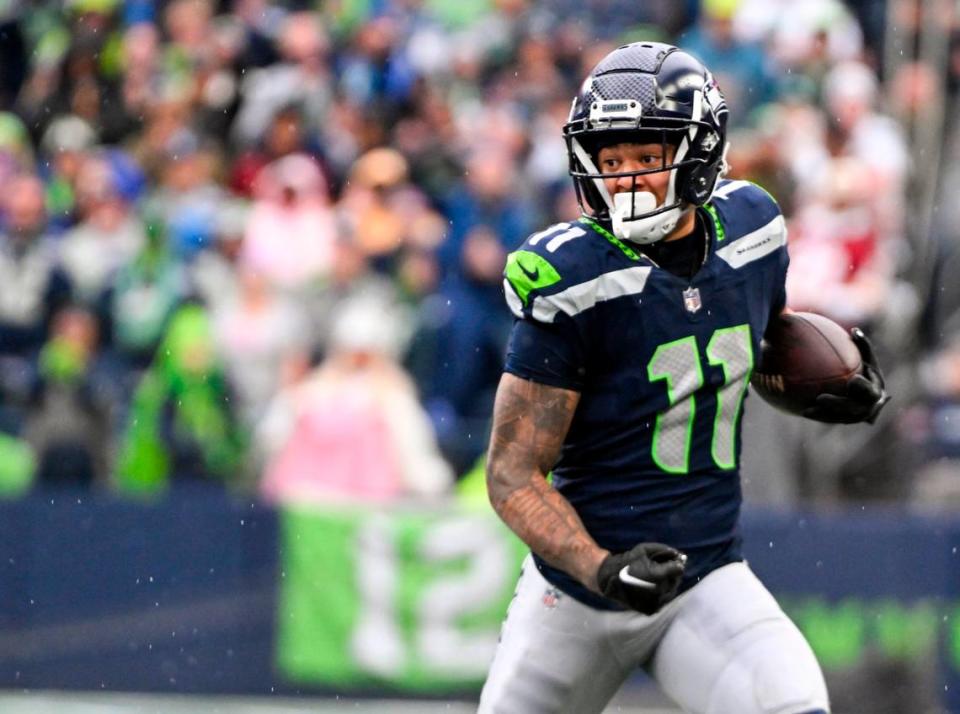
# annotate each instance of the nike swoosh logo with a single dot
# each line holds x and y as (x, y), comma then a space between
(628, 579)
(534, 275)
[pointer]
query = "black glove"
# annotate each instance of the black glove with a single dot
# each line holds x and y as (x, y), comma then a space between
(865, 395)
(644, 578)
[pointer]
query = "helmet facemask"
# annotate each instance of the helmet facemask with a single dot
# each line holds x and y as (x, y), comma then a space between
(635, 215)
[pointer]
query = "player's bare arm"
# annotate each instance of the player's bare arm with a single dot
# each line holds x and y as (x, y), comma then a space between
(530, 421)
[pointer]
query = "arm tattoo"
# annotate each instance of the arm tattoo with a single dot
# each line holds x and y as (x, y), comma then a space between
(530, 422)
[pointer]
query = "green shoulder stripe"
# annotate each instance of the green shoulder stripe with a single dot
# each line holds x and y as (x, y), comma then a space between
(529, 271)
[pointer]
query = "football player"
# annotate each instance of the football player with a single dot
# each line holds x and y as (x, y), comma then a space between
(636, 333)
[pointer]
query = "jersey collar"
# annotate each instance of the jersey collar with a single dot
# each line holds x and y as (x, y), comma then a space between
(712, 229)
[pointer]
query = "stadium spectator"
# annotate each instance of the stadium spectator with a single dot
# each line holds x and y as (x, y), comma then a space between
(351, 275)
(285, 134)
(65, 144)
(374, 72)
(214, 272)
(856, 129)
(68, 422)
(353, 429)
(188, 50)
(17, 155)
(263, 342)
(428, 138)
(109, 233)
(842, 262)
(142, 297)
(302, 78)
(932, 432)
(13, 55)
(188, 195)
(199, 63)
(292, 230)
(183, 424)
(385, 213)
(489, 195)
(77, 72)
(33, 285)
(373, 202)
(142, 76)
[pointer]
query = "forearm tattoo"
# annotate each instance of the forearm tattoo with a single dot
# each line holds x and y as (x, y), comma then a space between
(530, 422)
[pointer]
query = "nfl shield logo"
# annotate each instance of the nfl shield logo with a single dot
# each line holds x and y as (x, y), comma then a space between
(551, 598)
(691, 299)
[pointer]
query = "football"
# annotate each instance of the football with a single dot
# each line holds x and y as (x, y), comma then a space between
(802, 356)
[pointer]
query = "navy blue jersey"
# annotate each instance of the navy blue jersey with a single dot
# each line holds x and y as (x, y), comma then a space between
(662, 365)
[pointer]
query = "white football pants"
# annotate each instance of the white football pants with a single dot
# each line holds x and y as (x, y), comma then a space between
(722, 647)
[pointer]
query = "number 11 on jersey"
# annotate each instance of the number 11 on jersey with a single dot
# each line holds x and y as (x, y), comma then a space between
(678, 363)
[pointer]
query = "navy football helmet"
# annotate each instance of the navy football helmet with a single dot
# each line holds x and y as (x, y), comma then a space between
(648, 92)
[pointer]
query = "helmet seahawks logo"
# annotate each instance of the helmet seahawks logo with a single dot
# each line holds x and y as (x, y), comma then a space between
(714, 98)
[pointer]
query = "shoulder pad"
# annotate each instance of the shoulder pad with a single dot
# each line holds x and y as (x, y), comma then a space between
(744, 206)
(748, 222)
(541, 280)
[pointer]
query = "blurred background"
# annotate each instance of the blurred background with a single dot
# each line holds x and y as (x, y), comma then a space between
(251, 324)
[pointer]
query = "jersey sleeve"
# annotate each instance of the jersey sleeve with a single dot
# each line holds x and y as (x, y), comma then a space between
(545, 282)
(780, 279)
(768, 208)
(550, 354)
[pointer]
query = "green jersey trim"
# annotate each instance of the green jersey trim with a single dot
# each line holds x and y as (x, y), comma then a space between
(718, 228)
(627, 250)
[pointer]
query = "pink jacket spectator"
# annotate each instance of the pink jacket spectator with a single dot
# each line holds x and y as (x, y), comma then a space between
(291, 231)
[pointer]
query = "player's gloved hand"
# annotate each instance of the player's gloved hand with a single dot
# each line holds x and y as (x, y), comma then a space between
(866, 392)
(644, 578)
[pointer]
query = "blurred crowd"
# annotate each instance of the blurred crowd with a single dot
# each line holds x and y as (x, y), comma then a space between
(260, 245)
